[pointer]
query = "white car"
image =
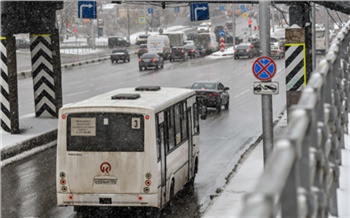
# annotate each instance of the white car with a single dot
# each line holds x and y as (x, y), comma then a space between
(204, 27)
(189, 42)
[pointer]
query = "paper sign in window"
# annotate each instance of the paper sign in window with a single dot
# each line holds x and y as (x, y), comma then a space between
(83, 127)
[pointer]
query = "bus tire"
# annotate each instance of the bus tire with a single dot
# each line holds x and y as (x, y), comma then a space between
(172, 194)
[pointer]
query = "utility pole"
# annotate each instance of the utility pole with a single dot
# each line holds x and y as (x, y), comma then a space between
(326, 23)
(266, 100)
(233, 26)
(128, 14)
(313, 38)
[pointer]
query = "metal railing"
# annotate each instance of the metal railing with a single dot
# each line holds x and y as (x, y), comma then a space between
(302, 175)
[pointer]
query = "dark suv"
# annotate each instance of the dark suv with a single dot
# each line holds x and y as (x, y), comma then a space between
(142, 50)
(120, 54)
(246, 50)
(178, 53)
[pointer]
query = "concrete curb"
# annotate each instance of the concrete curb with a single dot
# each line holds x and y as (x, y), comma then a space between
(29, 144)
(26, 74)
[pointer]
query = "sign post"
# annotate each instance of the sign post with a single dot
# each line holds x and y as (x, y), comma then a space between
(222, 40)
(264, 69)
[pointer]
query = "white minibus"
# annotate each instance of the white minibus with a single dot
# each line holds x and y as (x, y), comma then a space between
(132, 147)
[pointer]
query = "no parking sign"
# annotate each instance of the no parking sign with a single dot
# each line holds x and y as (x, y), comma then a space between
(264, 68)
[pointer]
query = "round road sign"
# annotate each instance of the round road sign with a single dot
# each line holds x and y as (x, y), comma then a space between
(264, 68)
(222, 33)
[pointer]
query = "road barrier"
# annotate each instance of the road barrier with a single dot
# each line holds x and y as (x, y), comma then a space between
(302, 175)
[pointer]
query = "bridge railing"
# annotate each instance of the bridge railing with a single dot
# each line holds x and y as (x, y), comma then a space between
(302, 175)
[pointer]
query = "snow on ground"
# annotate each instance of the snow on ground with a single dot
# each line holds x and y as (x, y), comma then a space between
(228, 53)
(104, 40)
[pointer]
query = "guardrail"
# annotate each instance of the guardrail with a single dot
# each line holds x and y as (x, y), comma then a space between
(302, 175)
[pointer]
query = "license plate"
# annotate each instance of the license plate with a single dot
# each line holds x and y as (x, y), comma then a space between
(105, 181)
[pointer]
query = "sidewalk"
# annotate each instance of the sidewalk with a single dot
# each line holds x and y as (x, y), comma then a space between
(230, 202)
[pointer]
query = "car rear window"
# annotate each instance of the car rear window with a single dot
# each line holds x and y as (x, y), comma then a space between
(119, 51)
(242, 46)
(203, 86)
(148, 55)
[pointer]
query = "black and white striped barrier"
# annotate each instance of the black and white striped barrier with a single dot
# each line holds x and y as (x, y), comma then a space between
(5, 101)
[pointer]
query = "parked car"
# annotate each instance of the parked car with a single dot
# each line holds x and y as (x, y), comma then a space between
(276, 51)
(244, 50)
(150, 60)
(120, 55)
(192, 51)
(178, 52)
(142, 50)
(212, 94)
(117, 41)
(141, 39)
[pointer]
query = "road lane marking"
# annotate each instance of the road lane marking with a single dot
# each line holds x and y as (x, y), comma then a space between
(242, 93)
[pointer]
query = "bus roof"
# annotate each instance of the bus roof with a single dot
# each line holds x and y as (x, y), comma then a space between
(152, 100)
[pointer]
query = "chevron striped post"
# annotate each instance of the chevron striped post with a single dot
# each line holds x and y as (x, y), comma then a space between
(295, 64)
(9, 96)
(43, 76)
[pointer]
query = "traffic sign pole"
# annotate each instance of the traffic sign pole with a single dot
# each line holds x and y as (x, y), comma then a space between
(266, 100)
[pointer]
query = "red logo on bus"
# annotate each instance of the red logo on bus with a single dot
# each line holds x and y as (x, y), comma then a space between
(105, 167)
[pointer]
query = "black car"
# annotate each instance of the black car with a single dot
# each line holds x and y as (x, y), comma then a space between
(150, 60)
(142, 50)
(192, 51)
(212, 94)
(246, 50)
(178, 53)
(117, 41)
(120, 55)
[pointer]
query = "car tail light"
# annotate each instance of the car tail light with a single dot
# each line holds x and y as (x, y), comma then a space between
(138, 50)
(236, 51)
(247, 50)
(140, 60)
(171, 51)
(182, 51)
(213, 94)
(154, 60)
(251, 46)
(192, 50)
